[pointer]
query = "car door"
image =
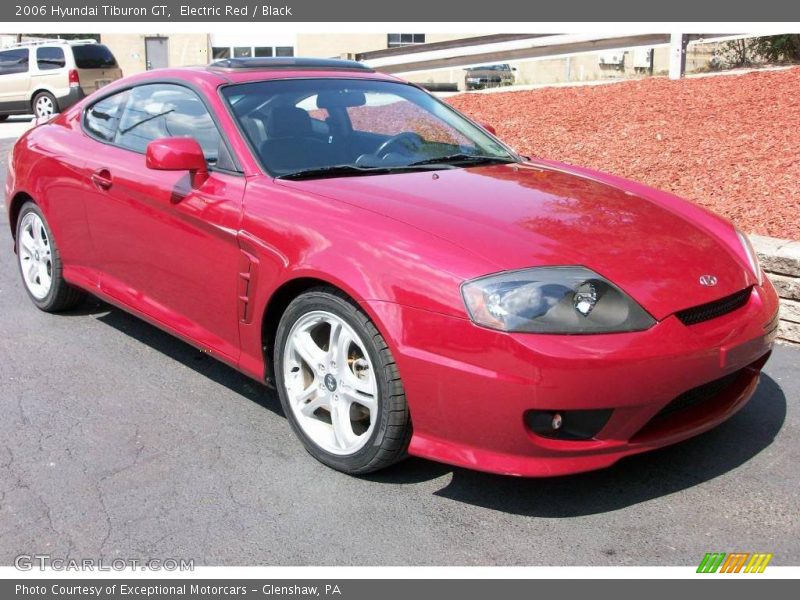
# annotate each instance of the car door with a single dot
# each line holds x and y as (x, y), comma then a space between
(15, 79)
(165, 246)
(50, 72)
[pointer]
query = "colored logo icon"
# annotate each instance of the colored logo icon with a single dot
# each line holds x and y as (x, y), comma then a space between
(735, 562)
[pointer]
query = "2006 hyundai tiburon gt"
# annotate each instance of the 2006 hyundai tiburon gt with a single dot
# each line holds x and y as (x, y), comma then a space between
(408, 283)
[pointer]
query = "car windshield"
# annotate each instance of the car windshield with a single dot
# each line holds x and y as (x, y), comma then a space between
(353, 127)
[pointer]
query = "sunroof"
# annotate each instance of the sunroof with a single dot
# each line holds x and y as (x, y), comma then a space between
(288, 63)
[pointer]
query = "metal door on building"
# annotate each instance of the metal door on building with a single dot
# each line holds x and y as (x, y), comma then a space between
(156, 54)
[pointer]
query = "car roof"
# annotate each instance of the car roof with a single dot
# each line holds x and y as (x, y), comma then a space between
(243, 70)
(211, 77)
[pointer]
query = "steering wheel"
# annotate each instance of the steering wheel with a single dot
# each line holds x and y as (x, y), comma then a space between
(407, 142)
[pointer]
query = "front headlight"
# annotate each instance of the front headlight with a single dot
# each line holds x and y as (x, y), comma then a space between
(752, 257)
(566, 300)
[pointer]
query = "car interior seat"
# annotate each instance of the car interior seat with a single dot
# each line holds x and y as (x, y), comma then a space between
(291, 144)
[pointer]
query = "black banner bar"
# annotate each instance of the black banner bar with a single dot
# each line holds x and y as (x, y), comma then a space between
(478, 11)
(388, 589)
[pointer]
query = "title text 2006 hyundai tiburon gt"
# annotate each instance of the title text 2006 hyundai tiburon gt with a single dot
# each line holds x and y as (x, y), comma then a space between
(408, 283)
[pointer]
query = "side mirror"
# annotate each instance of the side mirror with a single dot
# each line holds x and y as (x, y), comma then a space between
(489, 128)
(177, 154)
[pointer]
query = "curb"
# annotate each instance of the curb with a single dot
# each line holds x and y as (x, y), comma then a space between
(780, 260)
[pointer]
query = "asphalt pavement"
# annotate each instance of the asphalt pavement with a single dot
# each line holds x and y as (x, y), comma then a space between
(119, 441)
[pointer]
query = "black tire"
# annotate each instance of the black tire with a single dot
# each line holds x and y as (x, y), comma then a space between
(390, 437)
(4, 118)
(47, 95)
(61, 296)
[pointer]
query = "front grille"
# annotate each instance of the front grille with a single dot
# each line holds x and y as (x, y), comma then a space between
(717, 308)
(707, 391)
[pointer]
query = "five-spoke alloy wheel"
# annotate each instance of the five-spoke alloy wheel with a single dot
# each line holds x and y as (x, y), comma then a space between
(339, 385)
(35, 256)
(40, 263)
(330, 382)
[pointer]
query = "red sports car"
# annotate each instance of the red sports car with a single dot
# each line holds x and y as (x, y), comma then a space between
(408, 283)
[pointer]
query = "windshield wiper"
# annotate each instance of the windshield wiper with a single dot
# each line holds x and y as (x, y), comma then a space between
(462, 158)
(349, 171)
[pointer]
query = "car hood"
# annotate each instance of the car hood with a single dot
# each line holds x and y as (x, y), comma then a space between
(519, 216)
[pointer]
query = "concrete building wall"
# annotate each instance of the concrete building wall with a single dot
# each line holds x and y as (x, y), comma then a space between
(183, 49)
(345, 45)
(338, 45)
(579, 67)
(194, 49)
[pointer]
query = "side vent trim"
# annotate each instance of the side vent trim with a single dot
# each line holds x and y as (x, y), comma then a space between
(248, 273)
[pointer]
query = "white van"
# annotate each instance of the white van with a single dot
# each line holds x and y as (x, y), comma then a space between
(47, 76)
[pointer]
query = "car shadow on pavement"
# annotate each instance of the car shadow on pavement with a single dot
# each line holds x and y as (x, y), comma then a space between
(632, 480)
(180, 351)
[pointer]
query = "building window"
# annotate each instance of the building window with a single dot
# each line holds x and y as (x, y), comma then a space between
(396, 40)
(222, 52)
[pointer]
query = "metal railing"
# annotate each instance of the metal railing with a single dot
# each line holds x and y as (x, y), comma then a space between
(45, 41)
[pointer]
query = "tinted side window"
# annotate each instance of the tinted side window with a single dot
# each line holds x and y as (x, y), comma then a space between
(102, 117)
(14, 61)
(164, 110)
(93, 56)
(50, 58)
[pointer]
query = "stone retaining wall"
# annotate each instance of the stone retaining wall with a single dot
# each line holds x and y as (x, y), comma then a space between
(780, 259)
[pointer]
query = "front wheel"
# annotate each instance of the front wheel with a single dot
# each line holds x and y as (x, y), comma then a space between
(339, 385)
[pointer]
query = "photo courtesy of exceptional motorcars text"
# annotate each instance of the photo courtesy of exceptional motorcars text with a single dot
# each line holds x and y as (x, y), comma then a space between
(354, 299)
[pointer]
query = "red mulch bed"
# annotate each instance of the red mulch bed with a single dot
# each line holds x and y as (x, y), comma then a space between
(729, 143)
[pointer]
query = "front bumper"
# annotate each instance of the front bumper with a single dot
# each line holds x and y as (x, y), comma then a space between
(468, 388)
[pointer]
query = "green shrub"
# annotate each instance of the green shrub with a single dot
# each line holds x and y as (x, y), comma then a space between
(777, 48)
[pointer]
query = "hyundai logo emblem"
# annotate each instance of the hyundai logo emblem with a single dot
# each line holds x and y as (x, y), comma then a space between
(708, 280)
(330, 382)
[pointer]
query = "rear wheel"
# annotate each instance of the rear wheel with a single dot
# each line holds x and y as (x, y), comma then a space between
(339, 385)
(40, 263)
(44, 104)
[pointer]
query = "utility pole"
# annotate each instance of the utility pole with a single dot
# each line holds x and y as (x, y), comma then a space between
(677, 55)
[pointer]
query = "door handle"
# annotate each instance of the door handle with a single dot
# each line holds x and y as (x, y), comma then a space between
(102, 178)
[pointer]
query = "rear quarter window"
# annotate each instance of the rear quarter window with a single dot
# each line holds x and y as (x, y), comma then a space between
(93, 56)
(48, 59)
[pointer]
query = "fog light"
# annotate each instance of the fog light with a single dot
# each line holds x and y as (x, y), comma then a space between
(556, 422)
(567, 424)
